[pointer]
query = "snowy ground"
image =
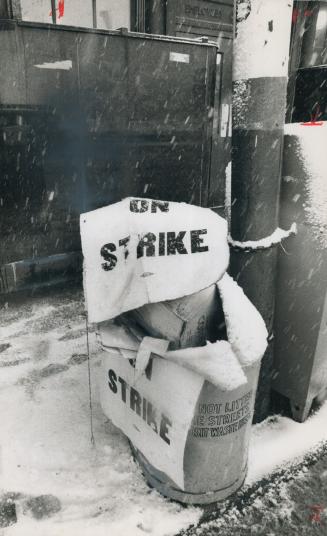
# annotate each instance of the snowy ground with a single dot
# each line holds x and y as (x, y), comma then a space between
(45, 437)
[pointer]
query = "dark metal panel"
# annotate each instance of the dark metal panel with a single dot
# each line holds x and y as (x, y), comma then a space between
(212, 18)
(103, 97)
(55, 165)
(310, 99)
(155, 99)
(154, 128)
(173, 115)
(51, 69)
(103, 82)
(89, 130)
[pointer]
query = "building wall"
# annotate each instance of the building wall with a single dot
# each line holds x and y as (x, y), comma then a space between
(110, 14)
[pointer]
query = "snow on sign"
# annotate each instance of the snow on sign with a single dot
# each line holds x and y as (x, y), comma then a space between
(141, 251)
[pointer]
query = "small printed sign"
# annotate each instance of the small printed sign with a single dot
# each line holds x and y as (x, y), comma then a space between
(181, 58)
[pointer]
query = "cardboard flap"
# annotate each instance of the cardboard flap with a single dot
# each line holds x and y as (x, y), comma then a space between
(114, 336)
(215, 362)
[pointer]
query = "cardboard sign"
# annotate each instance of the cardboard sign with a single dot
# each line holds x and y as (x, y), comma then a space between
(156, 421)
(142, 251)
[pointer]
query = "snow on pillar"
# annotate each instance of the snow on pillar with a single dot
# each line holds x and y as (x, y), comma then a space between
(260, 67)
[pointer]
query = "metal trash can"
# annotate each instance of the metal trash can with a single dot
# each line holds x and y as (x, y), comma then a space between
(216, 453)
(189, 435)
(182, 395)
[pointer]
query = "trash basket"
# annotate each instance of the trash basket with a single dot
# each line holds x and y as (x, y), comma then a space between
(215, 456)
(186, 408)
(189, 435)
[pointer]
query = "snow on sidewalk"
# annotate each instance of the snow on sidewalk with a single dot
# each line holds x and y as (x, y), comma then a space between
(45, 436)
(280, 440)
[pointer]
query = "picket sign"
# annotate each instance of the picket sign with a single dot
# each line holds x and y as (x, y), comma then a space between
(142, 251)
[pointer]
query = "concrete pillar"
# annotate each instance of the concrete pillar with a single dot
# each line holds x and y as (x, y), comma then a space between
(260, 69)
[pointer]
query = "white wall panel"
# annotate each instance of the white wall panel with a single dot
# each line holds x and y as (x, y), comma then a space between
(36, 10)
(113, 14)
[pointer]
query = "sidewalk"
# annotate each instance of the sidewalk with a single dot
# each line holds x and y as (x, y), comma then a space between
(292, 501)
(55, 482)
